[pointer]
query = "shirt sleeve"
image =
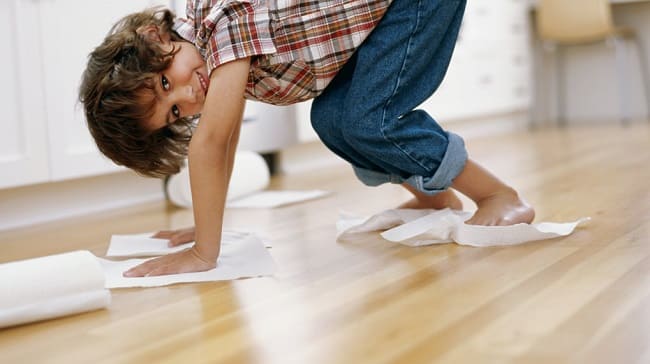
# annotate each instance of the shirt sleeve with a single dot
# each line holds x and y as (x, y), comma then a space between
(234, 30)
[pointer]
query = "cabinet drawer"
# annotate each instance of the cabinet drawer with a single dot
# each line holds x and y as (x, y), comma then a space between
(494, 20)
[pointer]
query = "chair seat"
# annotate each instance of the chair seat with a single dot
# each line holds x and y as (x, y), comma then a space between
(562, 23)
(622, 32)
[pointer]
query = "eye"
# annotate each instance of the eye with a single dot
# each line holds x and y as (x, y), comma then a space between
(164, 82)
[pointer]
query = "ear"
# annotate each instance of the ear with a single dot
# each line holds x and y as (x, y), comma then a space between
(154, 34)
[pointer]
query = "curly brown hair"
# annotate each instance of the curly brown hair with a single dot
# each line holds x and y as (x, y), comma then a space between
(119, 72)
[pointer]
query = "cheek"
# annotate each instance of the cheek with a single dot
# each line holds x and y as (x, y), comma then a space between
(179, 70)
(198, 107)
(193, 57)
(190, 54)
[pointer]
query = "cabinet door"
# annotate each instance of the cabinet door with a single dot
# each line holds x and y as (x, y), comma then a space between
(494, 56)
(70, 29)
(23, 142)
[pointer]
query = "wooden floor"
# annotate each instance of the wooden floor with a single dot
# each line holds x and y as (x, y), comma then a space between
(580, 299)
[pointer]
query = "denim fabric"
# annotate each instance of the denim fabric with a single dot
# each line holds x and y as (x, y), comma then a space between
(366, 115)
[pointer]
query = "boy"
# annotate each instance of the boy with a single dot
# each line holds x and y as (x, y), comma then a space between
(367, 63)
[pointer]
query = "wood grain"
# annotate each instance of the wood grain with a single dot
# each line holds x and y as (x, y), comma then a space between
(584, 298)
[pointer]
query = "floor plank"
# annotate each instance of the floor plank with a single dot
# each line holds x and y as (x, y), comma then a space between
(584, 298)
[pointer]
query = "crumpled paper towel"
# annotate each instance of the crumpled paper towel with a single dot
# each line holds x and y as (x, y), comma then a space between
(425, 227)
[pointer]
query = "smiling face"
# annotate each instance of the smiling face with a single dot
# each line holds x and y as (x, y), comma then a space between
(181, 88)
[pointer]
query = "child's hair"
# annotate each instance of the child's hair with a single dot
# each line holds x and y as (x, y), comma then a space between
(120, 71)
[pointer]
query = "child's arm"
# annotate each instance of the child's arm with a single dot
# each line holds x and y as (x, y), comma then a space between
(186, 235)
(211, 155)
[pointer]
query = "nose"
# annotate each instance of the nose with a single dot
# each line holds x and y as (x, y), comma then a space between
(187, 98)
(187, 94)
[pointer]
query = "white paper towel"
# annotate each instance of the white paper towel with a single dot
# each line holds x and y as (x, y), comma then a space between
(51, 286)
(250, 174)
(241, 256)
(425, 227)
(143, 245)
(272, 199)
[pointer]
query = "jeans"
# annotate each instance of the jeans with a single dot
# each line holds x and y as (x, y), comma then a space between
(366, 115)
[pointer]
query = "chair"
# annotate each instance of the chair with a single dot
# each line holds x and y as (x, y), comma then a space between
(563, 23)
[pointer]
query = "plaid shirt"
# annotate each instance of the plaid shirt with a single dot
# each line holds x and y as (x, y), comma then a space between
(296, 46)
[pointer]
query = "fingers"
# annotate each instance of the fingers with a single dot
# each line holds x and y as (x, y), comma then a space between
(176, 237)
(155, 267)
(164, 270)
(181, 238)
(180, 262)
(143, 270)
(164, 234)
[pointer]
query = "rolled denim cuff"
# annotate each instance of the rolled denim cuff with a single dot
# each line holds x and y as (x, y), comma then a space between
(374, 178)
(450, 167)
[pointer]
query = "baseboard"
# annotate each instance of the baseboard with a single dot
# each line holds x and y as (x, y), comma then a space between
(47, 202)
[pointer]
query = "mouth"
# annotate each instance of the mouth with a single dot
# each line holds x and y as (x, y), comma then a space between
(203, 82)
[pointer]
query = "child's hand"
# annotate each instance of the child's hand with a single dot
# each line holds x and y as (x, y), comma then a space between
(185, 261)
(176, 237)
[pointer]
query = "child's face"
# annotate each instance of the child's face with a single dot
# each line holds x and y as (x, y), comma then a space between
(181, 88)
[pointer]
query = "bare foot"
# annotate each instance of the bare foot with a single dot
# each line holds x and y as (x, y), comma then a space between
(504, 207)
(442, 200)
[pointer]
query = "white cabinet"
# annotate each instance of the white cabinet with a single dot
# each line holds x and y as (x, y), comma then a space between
(23, 139)
(489, 72)
(67, 38)
(44, 134)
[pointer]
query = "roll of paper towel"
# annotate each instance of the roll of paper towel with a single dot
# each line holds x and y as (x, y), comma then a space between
(51, 286)
(250, 174)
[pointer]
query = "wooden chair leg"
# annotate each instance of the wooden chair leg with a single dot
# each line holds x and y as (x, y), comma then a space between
(560, 87)
(645, 74)
(620, 47)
